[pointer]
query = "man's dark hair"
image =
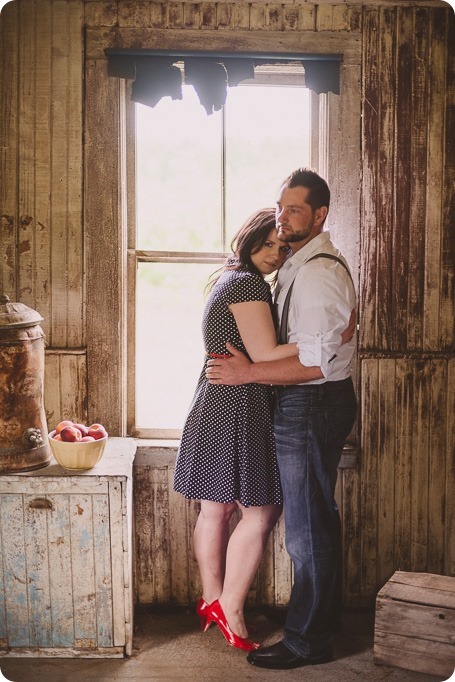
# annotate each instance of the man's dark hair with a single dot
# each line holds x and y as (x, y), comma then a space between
(319, 193)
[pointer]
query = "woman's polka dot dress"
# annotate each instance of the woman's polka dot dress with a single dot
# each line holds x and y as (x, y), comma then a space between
(227, 450)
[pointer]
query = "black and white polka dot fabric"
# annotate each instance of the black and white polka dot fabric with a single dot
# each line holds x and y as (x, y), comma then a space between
(227, 451)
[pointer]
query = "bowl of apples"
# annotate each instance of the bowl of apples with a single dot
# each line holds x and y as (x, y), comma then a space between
(76, 446)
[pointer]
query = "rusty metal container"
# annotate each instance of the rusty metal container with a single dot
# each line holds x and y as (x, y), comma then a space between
(23, 430)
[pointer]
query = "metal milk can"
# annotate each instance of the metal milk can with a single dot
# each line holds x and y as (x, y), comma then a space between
(23, 430)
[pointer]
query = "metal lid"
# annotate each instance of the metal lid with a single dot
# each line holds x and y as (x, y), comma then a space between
(17, 314)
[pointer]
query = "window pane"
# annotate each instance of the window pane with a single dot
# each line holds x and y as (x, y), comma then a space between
(267, 133)
(178, 176)
(169, 348)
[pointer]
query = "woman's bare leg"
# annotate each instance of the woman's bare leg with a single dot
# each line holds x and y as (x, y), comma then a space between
(244, 553)
(211, 536)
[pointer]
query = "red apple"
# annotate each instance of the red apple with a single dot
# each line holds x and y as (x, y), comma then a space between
(62, 425)
(70, 434)
(97, 431)
(82, 428)
(87, 439)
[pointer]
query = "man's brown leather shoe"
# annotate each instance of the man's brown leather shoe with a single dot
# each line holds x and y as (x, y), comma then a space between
(279, 657)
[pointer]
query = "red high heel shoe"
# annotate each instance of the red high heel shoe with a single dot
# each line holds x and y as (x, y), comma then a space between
(215, 614)
(201, 609)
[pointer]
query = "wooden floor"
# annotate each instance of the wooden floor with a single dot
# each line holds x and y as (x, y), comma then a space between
(169, 646)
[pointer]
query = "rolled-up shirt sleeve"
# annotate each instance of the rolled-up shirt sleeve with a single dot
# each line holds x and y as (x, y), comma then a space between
(321, 304)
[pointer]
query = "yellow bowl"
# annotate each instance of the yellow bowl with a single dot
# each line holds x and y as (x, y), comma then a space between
(77, 455)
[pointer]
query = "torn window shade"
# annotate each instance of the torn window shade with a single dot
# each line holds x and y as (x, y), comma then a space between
(157, 75)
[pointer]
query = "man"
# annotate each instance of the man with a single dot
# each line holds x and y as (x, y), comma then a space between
(315, 411)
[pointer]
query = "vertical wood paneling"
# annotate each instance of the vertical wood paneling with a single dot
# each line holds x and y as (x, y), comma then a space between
(59, 174)
(65, 387)
(447, 321)
(26, 179)
(15, 568)
(9, 84)
(419, 467)
(369, 477)
(402, 200)
(418, 143)
(385, 179)
(74, 162)
(103, 243)
(439, 467)
(386, 455)
(81, 520)
(43, 186)
(102, 566)
(403, 464)
(351, 537)
(61, 582)
(180, 544)
(449, 516)
(369, 236)
(37, 558)
(435, 180)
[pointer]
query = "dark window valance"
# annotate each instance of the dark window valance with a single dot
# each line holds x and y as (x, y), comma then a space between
(155, 74)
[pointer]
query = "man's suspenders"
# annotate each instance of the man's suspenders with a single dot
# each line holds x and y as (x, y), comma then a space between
(284, 315)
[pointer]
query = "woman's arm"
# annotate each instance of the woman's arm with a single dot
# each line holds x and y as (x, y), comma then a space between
(255, 324)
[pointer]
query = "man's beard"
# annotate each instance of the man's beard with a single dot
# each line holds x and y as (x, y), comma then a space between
(292, 237)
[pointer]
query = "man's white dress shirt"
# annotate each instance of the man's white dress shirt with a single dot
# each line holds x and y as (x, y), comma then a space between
(321, 302)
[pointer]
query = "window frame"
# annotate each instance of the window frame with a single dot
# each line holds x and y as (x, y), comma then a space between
(136, 256)
(108, 204)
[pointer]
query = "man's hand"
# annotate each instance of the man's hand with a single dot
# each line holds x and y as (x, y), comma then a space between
(232, 371)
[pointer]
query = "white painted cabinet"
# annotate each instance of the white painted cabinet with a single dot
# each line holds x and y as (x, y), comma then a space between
(66, 559)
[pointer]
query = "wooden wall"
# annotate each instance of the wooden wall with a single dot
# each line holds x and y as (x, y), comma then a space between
(400, 499)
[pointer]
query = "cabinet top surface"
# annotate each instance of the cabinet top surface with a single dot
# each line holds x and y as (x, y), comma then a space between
(117, 460)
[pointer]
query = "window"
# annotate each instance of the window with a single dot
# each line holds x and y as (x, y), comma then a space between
(197, 178)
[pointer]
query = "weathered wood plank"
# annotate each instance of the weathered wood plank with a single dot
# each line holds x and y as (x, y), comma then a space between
(402, 651)
(386, 176)
(351, 545)
(194, 579)
(103, 244)
(59, 539)
(420, 465)
(419, 126)
(179, 546)
(369, 372)
(439, 464)
(103, 571)
(404, 171)
(369, 217)
(9, 144)
(283, 564)
(43, 104)
(26, 179)
(235, 40)
(434, 180)
(101, 13)
(73, 391)
(449, 516)
(83, 571)
(37, 558)
(386, 469)
(74, 161)
(447, 320)
(403, 463)
(15, 568)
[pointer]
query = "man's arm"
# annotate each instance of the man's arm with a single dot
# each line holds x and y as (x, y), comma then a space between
(239, 370)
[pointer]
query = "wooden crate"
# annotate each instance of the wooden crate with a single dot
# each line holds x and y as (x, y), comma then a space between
(415, 623)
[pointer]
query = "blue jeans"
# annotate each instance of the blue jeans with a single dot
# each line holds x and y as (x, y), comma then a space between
(312, 423)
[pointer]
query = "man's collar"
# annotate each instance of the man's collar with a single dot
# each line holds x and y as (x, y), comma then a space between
(309, 249)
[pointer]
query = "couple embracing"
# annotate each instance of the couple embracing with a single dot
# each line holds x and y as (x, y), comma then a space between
(270, 415)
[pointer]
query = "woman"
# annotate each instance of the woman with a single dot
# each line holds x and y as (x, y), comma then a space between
(227, 453)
